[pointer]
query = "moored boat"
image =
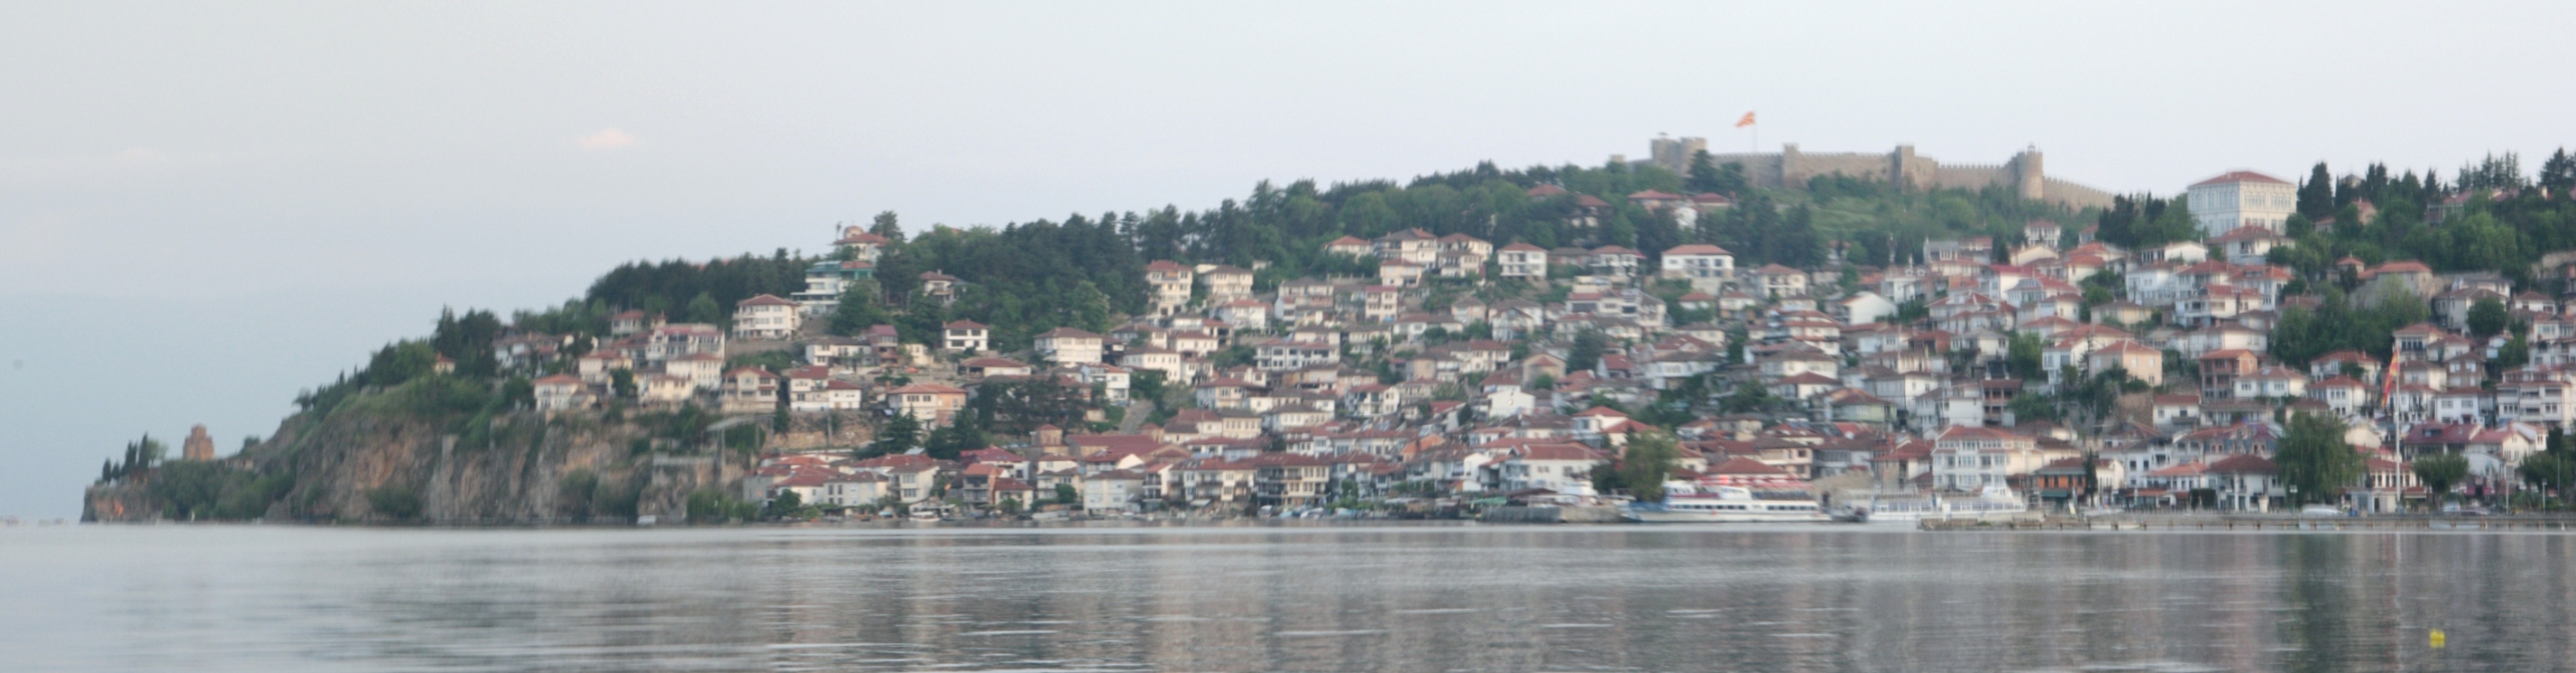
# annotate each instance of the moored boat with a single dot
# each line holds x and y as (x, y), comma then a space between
(1724, 504)
(1912, 509)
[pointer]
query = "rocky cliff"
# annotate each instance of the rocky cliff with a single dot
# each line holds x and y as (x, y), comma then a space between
(382, 456)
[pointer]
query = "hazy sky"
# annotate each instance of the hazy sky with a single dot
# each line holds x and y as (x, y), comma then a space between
(205, 207)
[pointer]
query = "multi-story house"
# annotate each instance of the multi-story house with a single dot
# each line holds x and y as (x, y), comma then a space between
(2242, 199)
(1706, 267)
(1171, 286)
(1975, 458)
(965, 336)
(930, 403)
(1069, 346)
(1521, 260)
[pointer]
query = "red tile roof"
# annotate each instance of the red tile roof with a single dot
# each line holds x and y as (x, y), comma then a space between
(2241, 176)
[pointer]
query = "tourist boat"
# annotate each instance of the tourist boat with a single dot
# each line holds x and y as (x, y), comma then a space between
(1912, 509)
(1723, 504)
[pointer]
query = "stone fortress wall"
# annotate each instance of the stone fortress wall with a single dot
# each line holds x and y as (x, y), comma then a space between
(2025, 172)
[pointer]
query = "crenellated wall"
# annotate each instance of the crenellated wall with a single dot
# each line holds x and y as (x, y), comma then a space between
(2026, 173)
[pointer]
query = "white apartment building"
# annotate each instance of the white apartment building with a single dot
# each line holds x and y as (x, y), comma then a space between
(2242, 199)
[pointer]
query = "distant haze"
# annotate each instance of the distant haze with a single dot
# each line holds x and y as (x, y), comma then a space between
(205, 207)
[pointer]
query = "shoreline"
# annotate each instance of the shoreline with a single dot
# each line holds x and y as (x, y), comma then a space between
(2140, 523)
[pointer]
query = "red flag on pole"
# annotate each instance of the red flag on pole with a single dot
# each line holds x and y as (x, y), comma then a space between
(1746, 121)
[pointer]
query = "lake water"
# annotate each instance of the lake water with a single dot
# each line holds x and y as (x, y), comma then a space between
(1315, 598)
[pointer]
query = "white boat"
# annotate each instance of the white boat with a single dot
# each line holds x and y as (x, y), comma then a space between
(1912, 509)
(1723, 504)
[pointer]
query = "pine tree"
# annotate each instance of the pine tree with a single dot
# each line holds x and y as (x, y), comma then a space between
(2316, 196)
(884, 225)
(2558, 173)
(1704, 175)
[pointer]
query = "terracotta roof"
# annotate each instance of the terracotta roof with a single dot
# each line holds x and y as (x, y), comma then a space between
(1743, 465)
(2244, 464)
(2241, 176)
(1696, 249)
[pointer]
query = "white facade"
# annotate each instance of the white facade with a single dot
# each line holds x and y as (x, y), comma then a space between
(2242, 199)
(765, 317)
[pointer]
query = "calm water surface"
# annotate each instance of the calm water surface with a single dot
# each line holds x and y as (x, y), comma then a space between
(1461, 598)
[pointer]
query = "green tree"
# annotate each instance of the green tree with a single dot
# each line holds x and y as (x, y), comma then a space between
(1586, 351)
(885, 224)
(2440, 472)
(860, 308)
(2314, 459)
(2515, 353)
(1146, 384)
(396, 502)
(1065, 495)
(621, 381)
(1647, 460)
(962, 434)
(2487, 317)
(516, 393)
(703, 309)
(1009, 507)
(897, 435)
(788, 505)
(2316, 194)
(2022, 357)
(2552, 470)
(1704, 174)
(707, 505)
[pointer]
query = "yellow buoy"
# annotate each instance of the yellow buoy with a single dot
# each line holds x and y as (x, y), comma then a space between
(2439, 638)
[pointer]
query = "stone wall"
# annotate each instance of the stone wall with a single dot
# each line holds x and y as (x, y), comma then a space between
(2025, 173)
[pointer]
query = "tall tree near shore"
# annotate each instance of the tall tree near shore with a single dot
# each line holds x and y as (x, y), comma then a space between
(2314, 459)
(1649, 458)
(2440, 472)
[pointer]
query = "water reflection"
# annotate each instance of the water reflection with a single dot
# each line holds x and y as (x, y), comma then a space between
(1321, 599)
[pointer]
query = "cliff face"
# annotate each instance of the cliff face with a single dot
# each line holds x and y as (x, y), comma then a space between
(366, 462)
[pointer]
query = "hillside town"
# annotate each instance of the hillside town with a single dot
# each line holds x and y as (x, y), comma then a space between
(2061, 369)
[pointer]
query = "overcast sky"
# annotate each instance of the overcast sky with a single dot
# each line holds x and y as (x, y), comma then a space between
(205, 207)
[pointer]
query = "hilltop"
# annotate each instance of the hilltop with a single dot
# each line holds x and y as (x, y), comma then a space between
(1439, 337)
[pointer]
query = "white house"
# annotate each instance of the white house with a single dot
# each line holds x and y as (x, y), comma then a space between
(963, 336)
(1563, 468)
(1111, 491)
(561, 391)
(765, 317)
(2242, 199)
(1522, 260)
(1865, 308)
(1706, 266)
(1069, 346)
